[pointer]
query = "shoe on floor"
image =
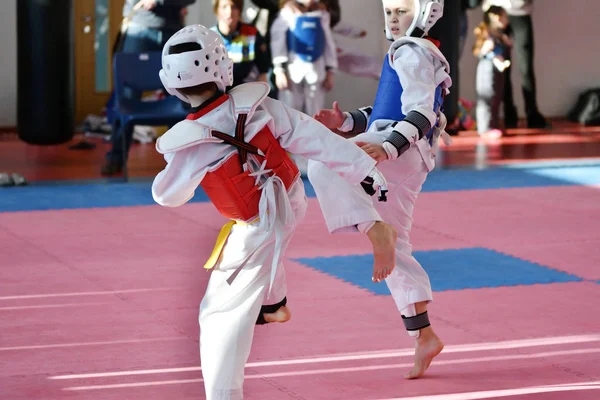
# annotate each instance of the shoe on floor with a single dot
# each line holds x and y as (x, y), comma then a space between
(111, 167)
(511, 118)
(6, 180)
(537, 121)
(19, 180)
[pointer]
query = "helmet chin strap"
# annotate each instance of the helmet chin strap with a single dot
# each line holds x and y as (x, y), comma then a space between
(414, 30)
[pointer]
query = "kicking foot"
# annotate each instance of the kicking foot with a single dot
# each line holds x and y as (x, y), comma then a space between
(281, 315)
(383, 238)
(428, 346)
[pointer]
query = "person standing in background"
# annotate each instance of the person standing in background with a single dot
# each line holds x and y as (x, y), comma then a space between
(491, 46)
(271, 10)
(521, 30)
(245, 45)
(151, 23)
(304, 56)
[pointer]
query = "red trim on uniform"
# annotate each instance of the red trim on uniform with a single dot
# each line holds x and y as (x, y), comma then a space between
(434, 41)
(205, 110)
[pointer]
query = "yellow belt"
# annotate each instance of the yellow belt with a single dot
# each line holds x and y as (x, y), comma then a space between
(221, 240)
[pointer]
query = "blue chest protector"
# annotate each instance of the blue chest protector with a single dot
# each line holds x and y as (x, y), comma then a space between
(307, 38)
(388, 102)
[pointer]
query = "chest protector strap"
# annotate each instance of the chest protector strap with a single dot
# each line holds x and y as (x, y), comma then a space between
(238, 141)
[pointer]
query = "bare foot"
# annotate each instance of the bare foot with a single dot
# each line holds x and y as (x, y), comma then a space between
(383, 238)
(281, 315)
(428, 346)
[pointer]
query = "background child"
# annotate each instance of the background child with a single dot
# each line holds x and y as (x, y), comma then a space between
(491, 46)
(304, 56)
(235, 146)
(245, 45)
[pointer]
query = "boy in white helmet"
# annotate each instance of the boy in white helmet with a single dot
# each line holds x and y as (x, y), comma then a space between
(235, 145)
(401, 132)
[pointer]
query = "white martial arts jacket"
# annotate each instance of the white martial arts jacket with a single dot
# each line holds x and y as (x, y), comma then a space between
(192, 151)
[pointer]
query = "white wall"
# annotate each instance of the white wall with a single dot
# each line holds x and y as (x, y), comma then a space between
(567, 54)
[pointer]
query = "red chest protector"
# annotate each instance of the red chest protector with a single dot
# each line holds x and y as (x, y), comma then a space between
(231, 188)
(233, 191)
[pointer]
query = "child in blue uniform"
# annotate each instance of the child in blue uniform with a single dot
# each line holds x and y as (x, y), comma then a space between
(304, 56)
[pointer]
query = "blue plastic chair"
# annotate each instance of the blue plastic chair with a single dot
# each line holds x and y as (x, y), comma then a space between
(138, 72)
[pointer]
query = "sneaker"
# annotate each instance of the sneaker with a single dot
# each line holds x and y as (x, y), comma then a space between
(6, 180)
(511, 118)
(19, 180)
(537, 121)
(111, 167)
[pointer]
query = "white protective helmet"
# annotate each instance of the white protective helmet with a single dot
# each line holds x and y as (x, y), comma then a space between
(204, 60)
(427, 13)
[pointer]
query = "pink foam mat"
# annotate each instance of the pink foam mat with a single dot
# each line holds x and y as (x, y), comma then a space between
(81, 296)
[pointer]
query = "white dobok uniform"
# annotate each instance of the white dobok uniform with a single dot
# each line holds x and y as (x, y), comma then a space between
(421, 68)
(249, 272)
(305, 74)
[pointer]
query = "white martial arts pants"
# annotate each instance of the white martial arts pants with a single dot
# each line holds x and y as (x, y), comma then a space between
(344, 206)
(228, 313)
(308, 98)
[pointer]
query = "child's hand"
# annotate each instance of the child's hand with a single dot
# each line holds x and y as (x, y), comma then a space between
(328, 82)
(332, 118)
(281, 81)
(145, 4)
(376, 151)
(487, 47)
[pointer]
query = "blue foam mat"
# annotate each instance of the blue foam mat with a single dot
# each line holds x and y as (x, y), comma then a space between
(103, 193)
(469, 268)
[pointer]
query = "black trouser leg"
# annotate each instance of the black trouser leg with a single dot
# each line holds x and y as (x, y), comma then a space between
(522, 28)
(447, 31)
